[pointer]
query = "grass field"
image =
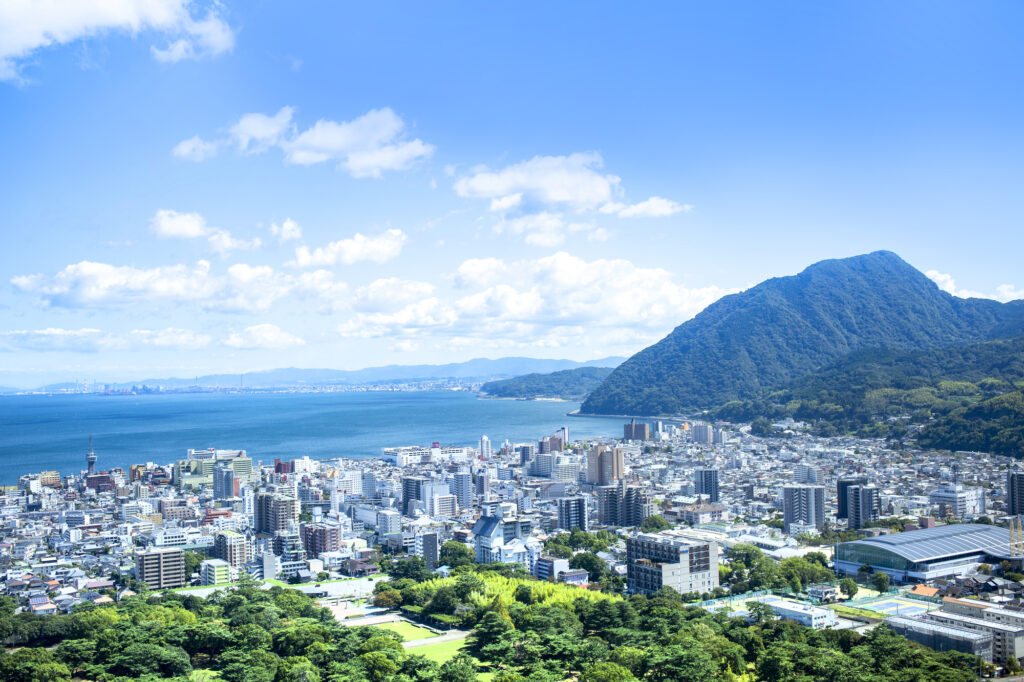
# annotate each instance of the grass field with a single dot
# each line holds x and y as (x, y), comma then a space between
(408, 631)
(443, 651)
(851, 612)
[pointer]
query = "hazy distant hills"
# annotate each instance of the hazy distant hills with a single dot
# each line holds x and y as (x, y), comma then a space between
(482, 369)
(746, 345)
(567, 384)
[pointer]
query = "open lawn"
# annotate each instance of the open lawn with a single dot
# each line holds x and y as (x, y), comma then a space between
(443, 651)
(408, 631)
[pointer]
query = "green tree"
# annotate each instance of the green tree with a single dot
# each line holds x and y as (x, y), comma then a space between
(458, 669)
(593, 564)
(655, 523)
(760, 612)
(880, 581)
(849, 587)
(388, 599)
(455, 554)
(607, 672)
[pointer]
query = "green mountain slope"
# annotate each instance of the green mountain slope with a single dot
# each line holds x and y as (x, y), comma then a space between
(878, 392)
(747, 344)
(568, 384)
(995, 425)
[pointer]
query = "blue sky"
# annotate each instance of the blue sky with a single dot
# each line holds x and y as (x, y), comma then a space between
(189, 187)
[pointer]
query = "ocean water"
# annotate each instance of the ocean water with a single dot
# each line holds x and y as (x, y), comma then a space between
(39, 433)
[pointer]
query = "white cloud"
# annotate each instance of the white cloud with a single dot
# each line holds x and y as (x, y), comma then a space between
(286, 231)
(195, 149)
(655, 207)
(365, 147)
(26, 27)
(573, 180)
(549, 302)
(379, 249)
(222, 242)
(547, 229)
(263, 337)
(89, 340)
(1004, 292)
(390, 294)
(258, 132)
(168, 223)
(404, 346)
(505, 203)
(477, 272)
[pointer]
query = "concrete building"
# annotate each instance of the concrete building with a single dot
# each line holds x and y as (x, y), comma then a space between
(1007, 639)
(274, 512)
(550, 568)
(635, 430)
(804, 505)
(161, 568)
(940, 637)
(318, 538)
(215, 572)
(1015, 493)
(705, 483)
(656, 560)
(863, 504)
(233, 548)
(573, 513)
(817, 617)
(842, 486)
(959, 500)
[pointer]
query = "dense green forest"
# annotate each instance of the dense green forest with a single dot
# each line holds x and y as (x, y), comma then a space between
(879, 393)
(994, 425)
(521, 630)
(569, 384)
(747, 345)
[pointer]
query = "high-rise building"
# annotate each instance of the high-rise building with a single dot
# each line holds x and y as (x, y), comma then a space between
(526, 453)
(161, 568)
(412, 490)
(485, 447)
(863, 504)
(636, 430)
(803, 504)
(622, 505)
(483, 485)
(656, 560)
(1015, 493)
(842, 485)
(806, 473)
(442, 506)
(605, 465)
(232, 547)
(225, 484)
(702, 433)
(705, 482)
(429, 548)
(388, 521)
(462, 488)
(573, 513)
(320, 537)
(274, 512)
(90, 460)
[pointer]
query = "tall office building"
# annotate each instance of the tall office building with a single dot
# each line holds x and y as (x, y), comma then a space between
(705, 482)
(1015, 493)
(274, 512)
(803, 504)
(412, 490)
(636, 430)
(232, 547)
(605, 465)
(656, 560)
(622, 505)
(573, 513)
(225, 484)
(863, 504)
(320, 537)
(842, 485)
(485, 447)
(483, 485)
(462, 488)
(702, 433)
(161, 568)
(429, 548)
(369, 484)
(526, 453)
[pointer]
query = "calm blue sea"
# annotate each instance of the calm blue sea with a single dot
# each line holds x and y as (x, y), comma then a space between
(39, 433)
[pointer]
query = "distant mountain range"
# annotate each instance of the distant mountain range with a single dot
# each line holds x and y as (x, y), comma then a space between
(747, 345)
(482, 369)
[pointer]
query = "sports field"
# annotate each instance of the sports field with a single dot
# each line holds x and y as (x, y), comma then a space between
(408, 631)
(897, 606)
(443, 651)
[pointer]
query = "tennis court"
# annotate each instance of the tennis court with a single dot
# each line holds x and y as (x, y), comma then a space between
(896, 606)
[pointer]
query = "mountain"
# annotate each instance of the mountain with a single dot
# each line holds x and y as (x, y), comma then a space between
(748, 343)
(568, 384)
(878, 392)
(479, 368)
(995, 425)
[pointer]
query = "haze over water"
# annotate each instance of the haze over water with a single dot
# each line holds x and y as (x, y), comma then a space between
(39, 433)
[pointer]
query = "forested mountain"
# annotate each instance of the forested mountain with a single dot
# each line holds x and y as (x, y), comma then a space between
(747, 344)
(878, 392)
(567, 384)
(995, 425)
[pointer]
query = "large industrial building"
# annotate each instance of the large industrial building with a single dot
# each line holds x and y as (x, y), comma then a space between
(930, 553)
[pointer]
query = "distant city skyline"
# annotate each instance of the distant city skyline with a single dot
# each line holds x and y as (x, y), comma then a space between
(195, 188)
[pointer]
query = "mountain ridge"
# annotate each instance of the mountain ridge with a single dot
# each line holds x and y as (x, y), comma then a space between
(786, 327)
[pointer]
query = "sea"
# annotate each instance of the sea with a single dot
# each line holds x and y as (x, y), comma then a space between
(51, 432)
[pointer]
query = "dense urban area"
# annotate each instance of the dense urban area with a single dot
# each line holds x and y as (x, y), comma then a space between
(685, 550)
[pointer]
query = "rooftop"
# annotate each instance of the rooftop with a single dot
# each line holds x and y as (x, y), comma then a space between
(942, 541)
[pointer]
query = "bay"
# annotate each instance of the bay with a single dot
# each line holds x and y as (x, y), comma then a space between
(47, 432)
